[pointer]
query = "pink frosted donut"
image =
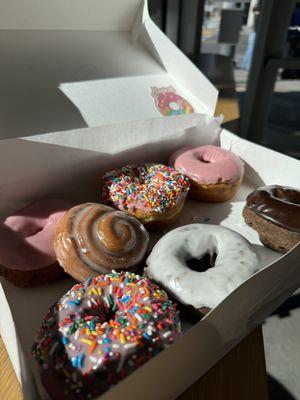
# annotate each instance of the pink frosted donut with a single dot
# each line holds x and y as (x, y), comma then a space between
(215, 173)
(26, 243)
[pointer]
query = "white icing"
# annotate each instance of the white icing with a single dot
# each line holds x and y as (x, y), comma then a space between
(82, 244)
(236, 261)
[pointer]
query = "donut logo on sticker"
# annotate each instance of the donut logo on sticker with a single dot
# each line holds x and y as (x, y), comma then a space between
(168, 102)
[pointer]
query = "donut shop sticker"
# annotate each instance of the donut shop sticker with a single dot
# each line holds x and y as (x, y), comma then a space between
(168, 102)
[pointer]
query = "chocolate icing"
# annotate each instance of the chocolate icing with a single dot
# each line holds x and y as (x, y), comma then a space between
(277, 204)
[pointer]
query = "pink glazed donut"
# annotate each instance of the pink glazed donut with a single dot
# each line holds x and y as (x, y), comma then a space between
(26, 243)
(215, 174)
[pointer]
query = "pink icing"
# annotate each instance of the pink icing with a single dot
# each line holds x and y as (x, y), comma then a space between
(208, 164)
(26, 238)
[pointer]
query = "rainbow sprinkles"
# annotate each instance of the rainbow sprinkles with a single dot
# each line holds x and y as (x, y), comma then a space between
(147, 186)
(100, 332)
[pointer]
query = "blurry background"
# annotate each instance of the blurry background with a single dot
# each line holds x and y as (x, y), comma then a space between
(250, 50)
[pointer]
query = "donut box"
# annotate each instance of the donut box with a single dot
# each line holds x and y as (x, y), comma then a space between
(93, 107)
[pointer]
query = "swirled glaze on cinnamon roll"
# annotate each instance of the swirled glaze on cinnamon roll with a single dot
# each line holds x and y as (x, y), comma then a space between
(93, 238)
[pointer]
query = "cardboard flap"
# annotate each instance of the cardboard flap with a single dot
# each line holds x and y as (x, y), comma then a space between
(90, 15)
(43, 163)
(201, 91)
(115, 138)
(108, 101)
(74, 74)
(255, 158)
(55, 81)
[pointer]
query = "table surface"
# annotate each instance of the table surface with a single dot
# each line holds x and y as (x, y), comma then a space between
(239, 375)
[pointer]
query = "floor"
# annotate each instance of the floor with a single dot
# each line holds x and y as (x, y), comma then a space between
(282, 349)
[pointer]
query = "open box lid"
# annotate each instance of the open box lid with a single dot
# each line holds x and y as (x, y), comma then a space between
(73, 65)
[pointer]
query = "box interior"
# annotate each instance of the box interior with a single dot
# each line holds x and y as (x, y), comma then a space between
(76, 174)
(90, 15)
(58, 78)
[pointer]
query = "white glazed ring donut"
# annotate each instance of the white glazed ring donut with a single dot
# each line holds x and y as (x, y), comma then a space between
(236, 261)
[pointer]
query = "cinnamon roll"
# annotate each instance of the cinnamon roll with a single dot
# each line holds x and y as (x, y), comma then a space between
(93, 238)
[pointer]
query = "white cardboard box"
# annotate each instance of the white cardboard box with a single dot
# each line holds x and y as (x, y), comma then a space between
(76, 100)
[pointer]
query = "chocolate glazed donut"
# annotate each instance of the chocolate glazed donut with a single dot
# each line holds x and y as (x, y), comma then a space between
(274, 212)
(93, 238)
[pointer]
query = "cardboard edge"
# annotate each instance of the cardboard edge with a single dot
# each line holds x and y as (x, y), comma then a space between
(139, 31)
(156, 125)
(141, 17)
(17, 356)
(8, 333)
(144, 24)
(184, 72)
(235, 143)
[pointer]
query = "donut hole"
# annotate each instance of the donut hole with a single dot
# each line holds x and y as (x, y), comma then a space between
(31, 229)
(202, 264)
(202, 158)
(100, 313)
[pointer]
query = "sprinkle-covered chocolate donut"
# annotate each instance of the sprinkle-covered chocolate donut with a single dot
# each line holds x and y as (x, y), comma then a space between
(93, 238)
(153, 193)
(274, 212)
(101, 331)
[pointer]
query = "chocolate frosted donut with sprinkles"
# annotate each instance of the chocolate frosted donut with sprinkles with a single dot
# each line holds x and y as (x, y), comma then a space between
(153, 193)
(101, 331)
